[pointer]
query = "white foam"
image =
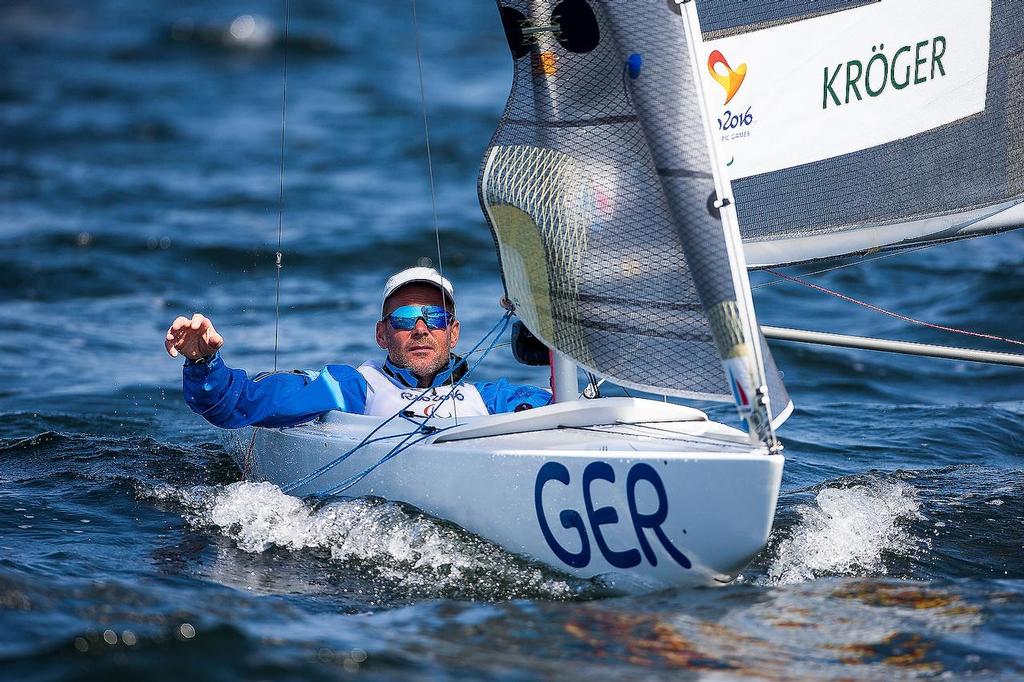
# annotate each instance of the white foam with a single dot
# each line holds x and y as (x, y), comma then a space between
(401, 545)
(845, 532)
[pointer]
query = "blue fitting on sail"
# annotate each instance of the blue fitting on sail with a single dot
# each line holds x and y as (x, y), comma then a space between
(634, 64)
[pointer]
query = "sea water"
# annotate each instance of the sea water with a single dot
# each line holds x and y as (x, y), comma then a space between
(140, 181)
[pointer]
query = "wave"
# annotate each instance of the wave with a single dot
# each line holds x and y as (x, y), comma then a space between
(249, 32)
(846, 530)
(416, 554)
(59, 267)
(392, 547)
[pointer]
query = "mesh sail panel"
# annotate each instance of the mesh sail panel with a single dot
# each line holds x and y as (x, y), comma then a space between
(724, 17)
(959, 178)
(538, 202)
(596, 186)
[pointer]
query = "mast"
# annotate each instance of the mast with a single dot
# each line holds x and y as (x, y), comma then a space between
(564, 378)
(565, 385)
(744, 366)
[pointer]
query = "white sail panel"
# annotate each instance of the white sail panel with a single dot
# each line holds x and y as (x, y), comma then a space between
(764, 253)
(846, 81)
(846, 171)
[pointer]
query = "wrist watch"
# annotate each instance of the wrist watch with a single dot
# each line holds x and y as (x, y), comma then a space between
(202, 360)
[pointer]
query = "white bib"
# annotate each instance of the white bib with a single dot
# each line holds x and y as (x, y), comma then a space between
(384, 398)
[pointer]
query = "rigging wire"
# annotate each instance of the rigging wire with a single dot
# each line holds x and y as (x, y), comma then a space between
(426, 137)
(682, 437)
(842, 266)
(430, 160)
(890, 313)
(862, 260)
(280, 193)
(497, 330)
(422, 428)
(247, 460)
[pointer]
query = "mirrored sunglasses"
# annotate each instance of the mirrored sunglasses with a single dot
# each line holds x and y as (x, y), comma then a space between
(434, 316)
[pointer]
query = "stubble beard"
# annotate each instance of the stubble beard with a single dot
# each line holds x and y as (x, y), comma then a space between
(427, 368)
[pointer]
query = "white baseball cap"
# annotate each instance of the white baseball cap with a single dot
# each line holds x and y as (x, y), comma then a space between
(414, 275)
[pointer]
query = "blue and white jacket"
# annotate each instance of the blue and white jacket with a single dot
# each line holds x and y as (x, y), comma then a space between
(228, 398)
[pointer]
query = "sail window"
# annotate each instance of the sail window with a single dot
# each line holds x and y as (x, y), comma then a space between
(579, 31)
(512, 20)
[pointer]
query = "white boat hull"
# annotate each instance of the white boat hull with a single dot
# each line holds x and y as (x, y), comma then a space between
(641, 493)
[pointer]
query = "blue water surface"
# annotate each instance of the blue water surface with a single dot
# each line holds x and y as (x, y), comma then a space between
(140, 181)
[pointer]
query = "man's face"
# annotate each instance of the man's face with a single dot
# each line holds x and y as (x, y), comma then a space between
(423, 351)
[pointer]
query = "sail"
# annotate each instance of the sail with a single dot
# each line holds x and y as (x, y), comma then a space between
(599, 191)
(850, 126)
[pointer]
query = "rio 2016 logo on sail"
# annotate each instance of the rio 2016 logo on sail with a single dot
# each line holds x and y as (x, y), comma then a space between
(730, 79)
(571, 519)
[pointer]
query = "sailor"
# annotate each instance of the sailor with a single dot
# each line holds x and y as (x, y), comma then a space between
(419, 376)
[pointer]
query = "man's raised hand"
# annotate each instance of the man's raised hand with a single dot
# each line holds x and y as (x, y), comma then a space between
(195, 338)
